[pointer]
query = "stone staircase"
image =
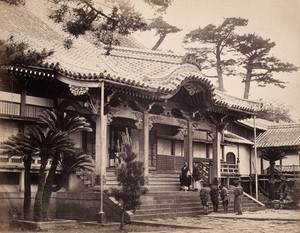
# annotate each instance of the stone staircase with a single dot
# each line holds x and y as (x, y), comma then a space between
(164, 199)
(165, 204)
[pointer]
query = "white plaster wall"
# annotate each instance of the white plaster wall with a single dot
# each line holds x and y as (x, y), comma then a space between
(244, 153)
(230, 148)
(290, 160)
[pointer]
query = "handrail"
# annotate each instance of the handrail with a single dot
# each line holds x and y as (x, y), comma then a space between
(253, 199)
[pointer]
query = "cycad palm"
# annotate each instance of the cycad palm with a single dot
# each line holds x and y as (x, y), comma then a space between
(16, 145)
(272, 155)
(47, 145)
(59, 121)
(36, 142)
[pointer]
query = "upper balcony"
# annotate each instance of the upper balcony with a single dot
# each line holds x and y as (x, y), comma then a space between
(15, 163)
(10, 105)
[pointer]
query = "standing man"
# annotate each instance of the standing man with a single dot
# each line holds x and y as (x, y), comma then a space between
(204, 196)
(224, 197)
(214, 195)
(238, 194)
(196, 176)
(185, 177)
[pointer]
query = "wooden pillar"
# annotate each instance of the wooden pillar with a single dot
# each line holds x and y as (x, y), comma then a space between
(103, 154)
(98, 146)
(216, 164)
(190, 144)
(23, 100)
(22, 181)
(146, 144)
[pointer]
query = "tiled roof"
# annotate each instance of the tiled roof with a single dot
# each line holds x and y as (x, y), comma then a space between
(231, 137)
(283, 135)
(153, 71)
(260, 123)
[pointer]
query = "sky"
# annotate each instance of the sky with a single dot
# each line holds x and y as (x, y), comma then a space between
(278, 20)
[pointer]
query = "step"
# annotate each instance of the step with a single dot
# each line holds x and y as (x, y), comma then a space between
(166, 215)
(164, 204)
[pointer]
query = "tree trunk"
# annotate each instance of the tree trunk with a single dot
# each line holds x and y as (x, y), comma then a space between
(27, 189)
(37, 209)
(122, 220)
(48, 188)
(219, 70)
(160, 40)
(271, 181)
(247, 84)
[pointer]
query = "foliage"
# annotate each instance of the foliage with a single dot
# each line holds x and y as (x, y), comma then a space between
(130, 177)
(259, 65)
(14, 2)
(295, 192)
(61, 121)
(274, 111)
(220, 38)
(14, 145)
(52, 142)
(79, 16)
(159, 5)
(18, 53)
(162, 29)
(57, 121)
(272, 154)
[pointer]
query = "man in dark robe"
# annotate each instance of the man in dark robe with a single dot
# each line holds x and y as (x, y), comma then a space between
(214, 195)
(185, 177)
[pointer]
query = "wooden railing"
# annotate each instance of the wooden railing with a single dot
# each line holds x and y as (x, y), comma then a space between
(229, 169)
(9, 108)
(14, 109)
(204, 171)
(15, 162)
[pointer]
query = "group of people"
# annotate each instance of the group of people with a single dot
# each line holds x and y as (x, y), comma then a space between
(212, 191)
(187, 177)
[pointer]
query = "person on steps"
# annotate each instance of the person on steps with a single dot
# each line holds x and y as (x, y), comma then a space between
(196, 177)
(224, 197)
(204, 196)
(214, 195)
(185, 177)
(238, 194)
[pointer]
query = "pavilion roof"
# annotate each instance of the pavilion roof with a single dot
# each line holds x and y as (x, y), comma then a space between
(86, 63)
(282, 135)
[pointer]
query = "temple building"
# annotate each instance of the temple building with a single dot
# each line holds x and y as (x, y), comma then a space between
(158, 102)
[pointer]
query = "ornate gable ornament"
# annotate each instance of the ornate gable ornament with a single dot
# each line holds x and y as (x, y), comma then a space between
(192, 89)
(192, 58)
(126, 112)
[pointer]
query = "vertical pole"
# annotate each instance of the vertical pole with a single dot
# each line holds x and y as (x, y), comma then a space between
(21, 181)
(103, 154)
(146, 144)
(190, 144)
(216, 164)
(255, 158)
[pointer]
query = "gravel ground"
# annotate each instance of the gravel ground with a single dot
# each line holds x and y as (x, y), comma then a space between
(288, 221)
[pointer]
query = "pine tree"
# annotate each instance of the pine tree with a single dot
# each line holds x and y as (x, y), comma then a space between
(130, 178)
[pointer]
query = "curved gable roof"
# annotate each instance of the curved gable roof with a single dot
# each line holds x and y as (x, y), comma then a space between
(87, 64)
